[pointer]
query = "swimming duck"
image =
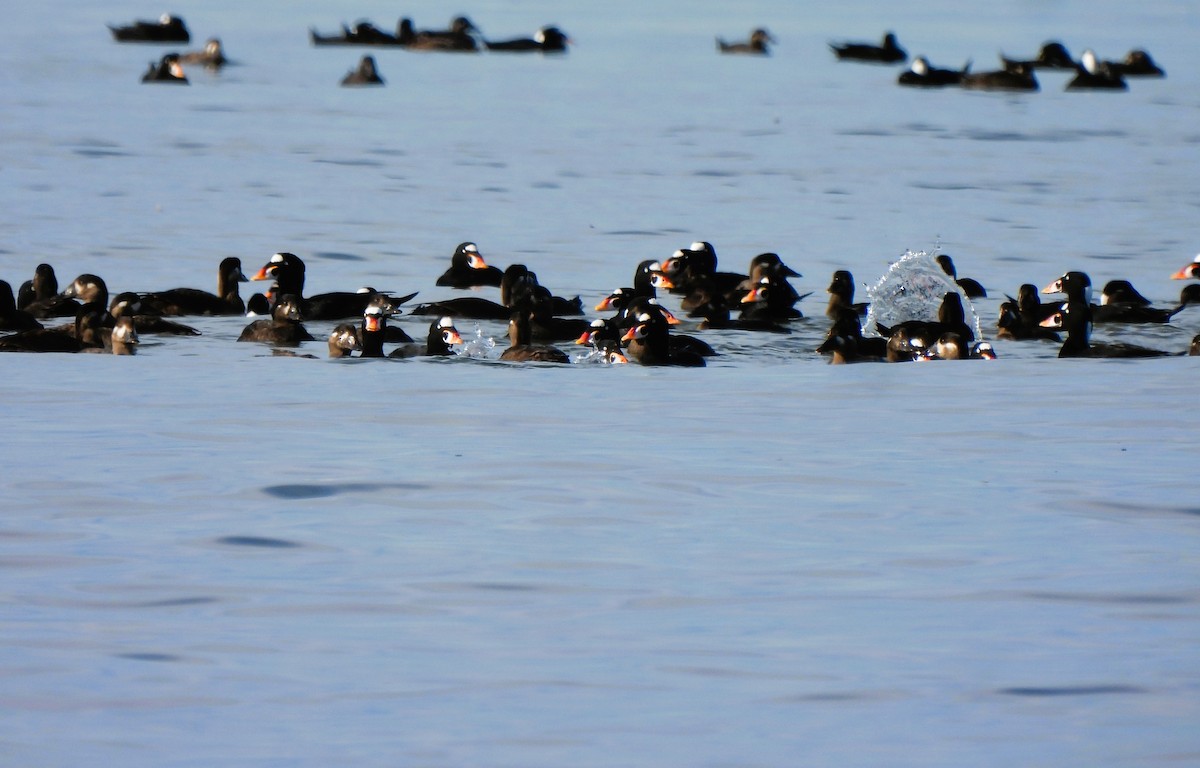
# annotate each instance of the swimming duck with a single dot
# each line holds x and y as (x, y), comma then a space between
(212, 56)
(1075, 319)
(1016, 76)
(889, 52)
(769, 300)
(364, 74)
(439, 342)
(1012, 323)
(283, 329)
(649, 343)
(922, 75)
(288, 272)
(167, 70)
(123, 339)
(1078, 288)
(841, 296)
(545, 40)
(1091, 74)
(971, 288)
(168, 29)
(193, 301)
(1188, 271)
(40, 296)
(1137, 63)
(129, 304)
(756, 45)
(343, 340)
(458, 38)
(84, 333)
(951, 346)
(363, 33)
(468, 269)
(11, 318)
(521, 349)
(1052, 55)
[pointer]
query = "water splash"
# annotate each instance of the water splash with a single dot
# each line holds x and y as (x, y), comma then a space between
(477, 345)
(912, 288)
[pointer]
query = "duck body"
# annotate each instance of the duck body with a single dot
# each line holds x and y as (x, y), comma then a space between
(545, 40)
(1052, 55)
(1075, 319)
(283, 329)
(521, 348)
(211, 56)
(363, 33)
(364, 74)
(1137, 63)
(1094, 75)
(167, 70)
(1016, 76)
(459, 38)
(755, 46)
(922, 75)
(11, 318)
(468, 269)
(194, 301)
(888, 52)
(168, 29)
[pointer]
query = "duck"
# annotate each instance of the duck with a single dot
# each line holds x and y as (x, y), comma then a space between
(123, 339)
(888, 52)
(40, 296)
(373, 330)
(922, 74)
(84, 333)
(365, 74)
(194, 301)
(168, 29)
(845, 342)
(1013, 324)
(1188, 271)
(11, 318)
(167, 70)
(768, 300)
(951, 346)
(1074, 318)
(841, 296)
(439, 342)
(1092, 75)
(129, 304)
(211, 56)
(695, 268)
(756, 45)
(468, 269)
(363, 33)
(1016, 76)
(283, 329)
(458, 38)
(1137, 63)
(343, 340)
(546, 40)
(521, 349)
(604, 337)
(680, 343)
(1052, 55)
(649, 343)
(288, 272)
(971, 288)
(1078, 288)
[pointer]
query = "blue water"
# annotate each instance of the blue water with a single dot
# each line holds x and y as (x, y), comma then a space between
(212, 555)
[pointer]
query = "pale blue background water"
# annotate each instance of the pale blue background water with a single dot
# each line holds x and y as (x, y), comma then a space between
(215, 556)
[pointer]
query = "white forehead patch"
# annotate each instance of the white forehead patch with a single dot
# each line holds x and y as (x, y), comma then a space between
(446, 322)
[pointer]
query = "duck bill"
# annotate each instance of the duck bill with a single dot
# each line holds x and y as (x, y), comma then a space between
(1055, 287)
(616, 358)
(476, 261)
(584, 338)
(631, 334)
(750, 297)
(604, 305)
(372, 322)
(451, 337)
(264, 273)
(1186, 272)
(662, 282)
(671, 319)
(1054, 321)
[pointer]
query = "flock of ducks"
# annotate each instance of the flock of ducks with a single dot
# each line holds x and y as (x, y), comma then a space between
(639, 328)
(463, 36)
(1014, 75)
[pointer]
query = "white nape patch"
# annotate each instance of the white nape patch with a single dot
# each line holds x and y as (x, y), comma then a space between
(597, 323)
(164, 19)
(471, 248)
(679, 254)
(540, 36)
(644, 317)
(920, 66)
(446, 322)
(698, 246)
(365, 289)
(655, 267)
(1088, 59)
(277, 259)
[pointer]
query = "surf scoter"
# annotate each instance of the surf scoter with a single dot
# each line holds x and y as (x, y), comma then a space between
(468, 269)
(649, 343)
(283, 329)
(889, 52)
(1078, 288)
(1075, 319)
(11, 318)
(168, 29)
(545, 40)
(84, 333)
(364, 74)
(439, 342)
(129, 304)
(193, 301)
(1016, 76)
(288, 272)
(343, 340)
(521, 349)
(211, 56)
(1052, 55)
(458, 38)
(970, 287)
(921, 74)
(363, 33)
(167, 70)
(1092, 75)
(756, 45)
(1137, 63)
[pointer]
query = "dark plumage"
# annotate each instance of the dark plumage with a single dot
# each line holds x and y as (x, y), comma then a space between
(889, 52)
(1016, 76)
(468, 269)
(545, 40)
(283, 329)
(167, 70)
(1093, 75)
(211, 56)
(521, 349)
(168, 29)
(756, 45)
(193, 301)
(1137, 63)
(1052, 55)
(921, 74)
(364, 74)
